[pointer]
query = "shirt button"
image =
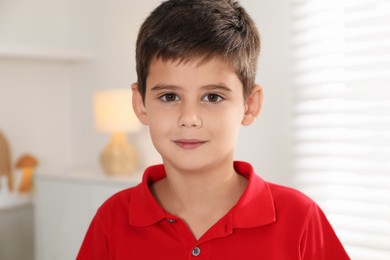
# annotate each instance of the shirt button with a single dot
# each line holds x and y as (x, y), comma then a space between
(196, 251)
(170, 220)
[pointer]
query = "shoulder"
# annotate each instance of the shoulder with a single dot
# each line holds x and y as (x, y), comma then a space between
(122, 196)
(295, 211)
(290, 201)
(117, 204)
(292, 195)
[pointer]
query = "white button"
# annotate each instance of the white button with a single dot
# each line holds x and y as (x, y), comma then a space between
(196, 251)
(170, 220)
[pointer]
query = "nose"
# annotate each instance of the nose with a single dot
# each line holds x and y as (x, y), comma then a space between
(189, 116)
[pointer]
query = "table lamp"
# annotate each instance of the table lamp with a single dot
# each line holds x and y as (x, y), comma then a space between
(114, 114)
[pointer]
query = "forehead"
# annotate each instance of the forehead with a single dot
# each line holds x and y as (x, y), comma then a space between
(194, 72)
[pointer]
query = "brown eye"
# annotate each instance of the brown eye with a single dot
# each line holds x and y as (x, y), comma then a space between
(213, 98)
(169, 97)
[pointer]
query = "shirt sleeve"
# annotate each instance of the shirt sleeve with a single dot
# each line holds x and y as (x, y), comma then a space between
(319, 241)
(95, 245)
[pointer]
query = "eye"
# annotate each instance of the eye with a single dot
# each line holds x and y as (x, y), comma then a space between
(212, 98)
(169, 97)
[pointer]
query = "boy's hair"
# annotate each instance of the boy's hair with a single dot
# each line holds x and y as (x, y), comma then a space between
(184, 30)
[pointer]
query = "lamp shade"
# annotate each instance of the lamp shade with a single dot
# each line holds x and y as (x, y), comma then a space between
(114, 112)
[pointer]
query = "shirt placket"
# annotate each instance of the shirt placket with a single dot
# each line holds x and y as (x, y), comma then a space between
(200, 249)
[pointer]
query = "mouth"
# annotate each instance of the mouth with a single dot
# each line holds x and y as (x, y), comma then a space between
(189, 144)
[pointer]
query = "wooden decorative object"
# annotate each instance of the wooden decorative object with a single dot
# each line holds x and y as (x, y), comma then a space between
(5, 162)
(27, 164)
(118, 157)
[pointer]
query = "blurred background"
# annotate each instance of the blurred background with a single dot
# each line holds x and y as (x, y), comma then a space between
(324, 129)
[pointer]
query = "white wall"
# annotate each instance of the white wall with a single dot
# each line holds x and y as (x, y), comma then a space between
(46, 107)
(34, 22)
(35, 94)
(35, 111)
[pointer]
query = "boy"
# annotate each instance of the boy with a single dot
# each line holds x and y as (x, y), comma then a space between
(196, 65)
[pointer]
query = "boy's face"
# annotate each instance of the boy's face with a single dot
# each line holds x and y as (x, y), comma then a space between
(194, 112)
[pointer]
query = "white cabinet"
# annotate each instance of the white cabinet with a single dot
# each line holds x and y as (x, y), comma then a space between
(64, 208)
(16, 231)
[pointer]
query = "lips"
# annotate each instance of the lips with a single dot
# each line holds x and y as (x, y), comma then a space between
(189, 144)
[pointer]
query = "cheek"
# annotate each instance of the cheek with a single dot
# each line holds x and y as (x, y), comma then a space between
(156, 114)
(158, 137)
(161, 118)
(157, 126)
(160, 124)
(226, 124)
(228, 116)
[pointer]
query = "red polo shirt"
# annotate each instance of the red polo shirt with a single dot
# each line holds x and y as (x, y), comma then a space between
(268, 222)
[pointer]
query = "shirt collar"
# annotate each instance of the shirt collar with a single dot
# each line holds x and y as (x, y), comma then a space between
(255, 207)
(144, 209)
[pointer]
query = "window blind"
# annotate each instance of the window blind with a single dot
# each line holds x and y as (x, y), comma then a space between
(341, 117)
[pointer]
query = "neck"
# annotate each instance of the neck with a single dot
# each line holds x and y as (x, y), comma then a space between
(211, 188)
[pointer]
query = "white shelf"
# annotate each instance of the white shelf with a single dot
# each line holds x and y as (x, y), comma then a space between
(96, 177)
(44, 53)
(14, 200)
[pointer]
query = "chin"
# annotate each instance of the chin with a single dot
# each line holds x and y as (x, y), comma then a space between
(193, 164)
(187, 164)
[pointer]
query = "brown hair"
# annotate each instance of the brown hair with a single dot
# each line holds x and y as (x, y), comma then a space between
(186, 29)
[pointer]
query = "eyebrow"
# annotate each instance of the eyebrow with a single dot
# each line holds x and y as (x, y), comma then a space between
(219, 86)
(159, 87)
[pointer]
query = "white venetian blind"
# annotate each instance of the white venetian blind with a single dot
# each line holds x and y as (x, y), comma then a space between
(341, 53)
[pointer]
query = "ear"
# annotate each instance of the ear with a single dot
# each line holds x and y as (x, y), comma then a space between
(253, 105)
(138, 105)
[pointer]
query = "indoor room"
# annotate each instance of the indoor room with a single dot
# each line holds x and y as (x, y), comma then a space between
(65, 65)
